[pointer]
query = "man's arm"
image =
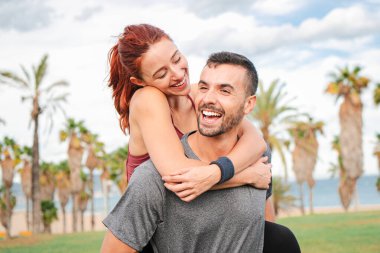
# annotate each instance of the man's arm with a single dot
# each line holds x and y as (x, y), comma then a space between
(134, 219)
(269, 210)
(113, 245)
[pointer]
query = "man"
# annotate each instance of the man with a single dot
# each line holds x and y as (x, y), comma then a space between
(230, 220)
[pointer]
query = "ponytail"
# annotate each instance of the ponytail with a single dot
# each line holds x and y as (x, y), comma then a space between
(123, 89)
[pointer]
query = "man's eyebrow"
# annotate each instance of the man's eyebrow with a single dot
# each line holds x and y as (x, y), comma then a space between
(226, 85)
(171, 58)
(202, 82)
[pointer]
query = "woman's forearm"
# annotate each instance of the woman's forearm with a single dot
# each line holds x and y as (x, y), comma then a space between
(249, 148)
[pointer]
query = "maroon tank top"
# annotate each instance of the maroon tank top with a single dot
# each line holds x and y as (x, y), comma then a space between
(135, 160)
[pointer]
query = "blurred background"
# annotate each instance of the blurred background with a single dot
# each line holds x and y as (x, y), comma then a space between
(314, 58)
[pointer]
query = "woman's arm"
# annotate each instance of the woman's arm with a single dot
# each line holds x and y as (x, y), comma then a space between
(151, 113)
(250, 147)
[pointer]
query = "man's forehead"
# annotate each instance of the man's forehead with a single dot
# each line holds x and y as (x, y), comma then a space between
(223, 73)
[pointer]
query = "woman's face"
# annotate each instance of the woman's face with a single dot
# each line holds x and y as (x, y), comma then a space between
(164, 67)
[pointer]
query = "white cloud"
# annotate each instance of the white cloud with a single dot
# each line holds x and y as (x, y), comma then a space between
(277, 7)
(78, 53)
(25, 15)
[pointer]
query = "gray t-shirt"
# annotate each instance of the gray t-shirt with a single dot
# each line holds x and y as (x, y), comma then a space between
(229, 220)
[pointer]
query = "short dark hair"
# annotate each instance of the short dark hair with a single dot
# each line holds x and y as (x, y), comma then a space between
(239, 60)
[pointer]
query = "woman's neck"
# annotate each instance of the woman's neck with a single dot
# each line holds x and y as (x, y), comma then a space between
(177, 103)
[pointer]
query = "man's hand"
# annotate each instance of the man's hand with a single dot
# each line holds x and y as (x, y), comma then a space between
(259, 174)
(189, 183)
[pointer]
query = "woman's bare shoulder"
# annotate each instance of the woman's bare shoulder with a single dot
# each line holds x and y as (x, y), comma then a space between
(148, 98)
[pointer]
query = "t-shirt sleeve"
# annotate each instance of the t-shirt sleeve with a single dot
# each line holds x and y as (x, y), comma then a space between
(135, 217)
(268, 153)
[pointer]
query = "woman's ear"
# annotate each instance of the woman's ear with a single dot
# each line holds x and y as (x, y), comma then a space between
(136, 81)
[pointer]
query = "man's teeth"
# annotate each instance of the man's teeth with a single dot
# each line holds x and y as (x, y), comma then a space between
(179, 84)
(211, 114)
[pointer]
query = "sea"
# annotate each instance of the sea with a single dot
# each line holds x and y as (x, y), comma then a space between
(325, 194)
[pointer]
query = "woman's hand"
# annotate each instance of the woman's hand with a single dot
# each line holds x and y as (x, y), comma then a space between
(259, 174)
(191, 182)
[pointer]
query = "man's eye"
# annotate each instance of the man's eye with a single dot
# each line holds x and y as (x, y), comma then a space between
(225, 91)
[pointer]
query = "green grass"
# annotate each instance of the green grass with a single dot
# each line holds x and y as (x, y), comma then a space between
(338, 233)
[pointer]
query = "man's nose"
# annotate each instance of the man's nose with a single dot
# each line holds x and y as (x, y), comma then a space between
(209, 97)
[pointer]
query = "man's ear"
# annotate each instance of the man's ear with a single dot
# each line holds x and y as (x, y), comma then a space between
(136, 81)
(249, 104)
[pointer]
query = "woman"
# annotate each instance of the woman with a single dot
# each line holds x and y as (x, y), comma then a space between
(151, 91)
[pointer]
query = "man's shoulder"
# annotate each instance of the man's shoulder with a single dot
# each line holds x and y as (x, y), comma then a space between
(146, 176)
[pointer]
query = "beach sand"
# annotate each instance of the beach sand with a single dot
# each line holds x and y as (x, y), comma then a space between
(19, 223)
(19, 219)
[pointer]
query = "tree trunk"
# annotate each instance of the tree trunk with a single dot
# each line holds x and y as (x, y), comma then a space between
(7, 168)
(74, 210)
(302, 204)
(36, 209)
(26, 181)
(27, 213)
(311, 200)
(350, 115)
(8, 212)
(64, 219)
(82, 221)
(91, 186)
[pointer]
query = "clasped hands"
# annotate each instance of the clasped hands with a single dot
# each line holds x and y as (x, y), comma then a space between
(189, 183)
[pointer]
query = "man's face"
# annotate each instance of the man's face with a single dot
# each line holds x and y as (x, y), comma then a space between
(221, 99)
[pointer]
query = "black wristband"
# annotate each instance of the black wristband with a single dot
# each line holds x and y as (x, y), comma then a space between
(226, 168)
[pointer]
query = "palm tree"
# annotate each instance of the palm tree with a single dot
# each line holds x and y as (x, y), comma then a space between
(348, 84)
(63, 185)
(115, 162)
(272, 110)
(305, 154)
(95, 151)
(26, 180)
(76, 132)
(49, 214)
(83, 198)
(47, 181)
(44, 100)
(281, 197)
(344, 194)
(376, 94)
(7, 203)
(9, 158)
(377, 154)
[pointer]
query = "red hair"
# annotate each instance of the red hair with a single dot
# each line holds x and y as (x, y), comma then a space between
(125, 62)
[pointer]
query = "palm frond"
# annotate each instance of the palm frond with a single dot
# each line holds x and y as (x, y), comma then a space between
(62, 83)
(40, 71)
(12, 79)
(26, 74)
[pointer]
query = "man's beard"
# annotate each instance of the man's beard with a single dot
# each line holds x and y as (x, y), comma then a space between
(229, 122)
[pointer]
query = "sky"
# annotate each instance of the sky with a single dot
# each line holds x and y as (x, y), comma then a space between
(298, 42)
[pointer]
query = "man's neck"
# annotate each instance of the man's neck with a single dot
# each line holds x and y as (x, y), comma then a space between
(210, 148)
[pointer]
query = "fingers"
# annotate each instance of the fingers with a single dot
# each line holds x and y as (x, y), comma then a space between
(176, 187)
(182, 191)
(175, 175)
(174, 178)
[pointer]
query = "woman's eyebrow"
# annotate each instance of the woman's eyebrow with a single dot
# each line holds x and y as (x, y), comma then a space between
(171, 58)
